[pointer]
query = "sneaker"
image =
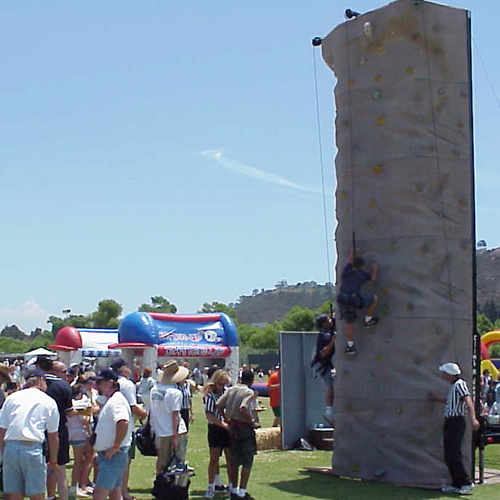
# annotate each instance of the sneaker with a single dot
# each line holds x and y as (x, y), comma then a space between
(372, 322)
(220, 488)
(209, 494)
(350, 350)
(81, 493)
(466, 490)
(450, 489)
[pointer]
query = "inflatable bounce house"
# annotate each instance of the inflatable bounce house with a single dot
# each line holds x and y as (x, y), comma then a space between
(73, 344)
(152, 337)
(487, 363)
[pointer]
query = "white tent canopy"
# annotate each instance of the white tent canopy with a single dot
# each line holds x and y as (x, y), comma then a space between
(38, 352)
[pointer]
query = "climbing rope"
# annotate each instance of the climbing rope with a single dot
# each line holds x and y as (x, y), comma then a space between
(322, 169)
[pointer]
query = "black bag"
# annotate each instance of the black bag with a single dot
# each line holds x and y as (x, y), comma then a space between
(173, 483)
(144, 440)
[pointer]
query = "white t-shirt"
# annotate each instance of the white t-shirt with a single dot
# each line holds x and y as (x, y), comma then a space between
(116, 408)
(27, 414)
(127, 388)
(165, 399)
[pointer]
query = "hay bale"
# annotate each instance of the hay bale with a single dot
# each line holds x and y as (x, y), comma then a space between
(269, 438)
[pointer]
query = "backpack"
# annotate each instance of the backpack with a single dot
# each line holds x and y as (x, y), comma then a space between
(173, 483)
(145, 440)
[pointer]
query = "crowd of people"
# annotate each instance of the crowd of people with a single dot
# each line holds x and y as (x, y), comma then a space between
(49, 409)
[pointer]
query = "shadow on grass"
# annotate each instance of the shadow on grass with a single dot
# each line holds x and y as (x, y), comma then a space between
(315, 485)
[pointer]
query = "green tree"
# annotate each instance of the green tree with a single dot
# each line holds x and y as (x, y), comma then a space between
(219, 307)
(56, 322)
(245, 332)
(484, 325)
(494, 351)
(13, 332)
(266, 338)
(158, 304)
(106, 316)
(299, 319)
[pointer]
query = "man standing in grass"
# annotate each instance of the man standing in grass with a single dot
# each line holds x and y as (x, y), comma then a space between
(457, 404)
(235, 404)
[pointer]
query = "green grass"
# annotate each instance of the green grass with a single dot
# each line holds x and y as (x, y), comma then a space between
(279, 475)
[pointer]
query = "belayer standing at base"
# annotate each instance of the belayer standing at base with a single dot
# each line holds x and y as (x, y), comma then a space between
(350, 298)
(457, 402)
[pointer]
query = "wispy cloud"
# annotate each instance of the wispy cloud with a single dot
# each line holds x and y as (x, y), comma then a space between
(26, 316)
(249, 171)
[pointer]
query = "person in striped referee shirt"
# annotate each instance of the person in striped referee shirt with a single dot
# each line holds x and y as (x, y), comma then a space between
(457, 403)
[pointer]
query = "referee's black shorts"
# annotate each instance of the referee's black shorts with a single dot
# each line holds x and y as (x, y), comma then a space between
(217, 437)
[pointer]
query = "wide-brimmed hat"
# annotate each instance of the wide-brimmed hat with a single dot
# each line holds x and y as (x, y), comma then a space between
(172, 373)
(450, 369)
(4, 370)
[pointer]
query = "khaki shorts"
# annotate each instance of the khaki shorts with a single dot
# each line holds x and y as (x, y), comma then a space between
(165, 452)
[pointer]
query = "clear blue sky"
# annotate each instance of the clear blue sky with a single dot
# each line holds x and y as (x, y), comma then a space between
(168, 147)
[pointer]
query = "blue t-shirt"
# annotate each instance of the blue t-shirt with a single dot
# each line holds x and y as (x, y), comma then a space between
(353, 279)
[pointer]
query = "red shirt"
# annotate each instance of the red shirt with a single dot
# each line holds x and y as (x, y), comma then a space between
(274, 392)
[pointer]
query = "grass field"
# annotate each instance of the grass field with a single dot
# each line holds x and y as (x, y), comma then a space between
(278, 475)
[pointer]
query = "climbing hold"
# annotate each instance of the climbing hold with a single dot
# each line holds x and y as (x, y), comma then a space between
(362, 61)
(349, 407)
(460, 125)
(409, 71)
(415, 36)
(343, 195)
(377, 94)
(381, 121)
(436, 51)
(378, 78)
(464, 93)
(368, 29)
(464, 244)
(350, 83)
(432, 149)
(374, 417)
(410, 306)
(385, 291)
(464, 203)
(456, 153)
(373, 204)
(378, 169)
(346, 123)
(388, 340)
(356, 468)
(381, 435)
(419, 187)
(424, 248)
(441, 92)
(393, 246)
(381, 48)
(369, 225)
(399, 410)
(379, 358)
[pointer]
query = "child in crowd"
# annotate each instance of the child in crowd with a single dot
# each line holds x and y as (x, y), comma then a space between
(218, 432)
(79, 432)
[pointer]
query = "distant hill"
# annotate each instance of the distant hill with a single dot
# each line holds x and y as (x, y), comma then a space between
(267, 306)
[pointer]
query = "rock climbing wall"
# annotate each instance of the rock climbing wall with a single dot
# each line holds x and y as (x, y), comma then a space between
(405, 188)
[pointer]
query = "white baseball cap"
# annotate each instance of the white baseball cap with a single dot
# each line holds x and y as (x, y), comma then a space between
(450, 369)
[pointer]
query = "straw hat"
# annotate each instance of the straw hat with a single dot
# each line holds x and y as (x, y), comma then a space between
(4, 370)
(173, 373)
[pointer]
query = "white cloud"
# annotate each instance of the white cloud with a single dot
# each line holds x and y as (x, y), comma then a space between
(27, 316)
(256, 173)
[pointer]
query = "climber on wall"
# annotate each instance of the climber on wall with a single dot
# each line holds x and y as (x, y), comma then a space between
(350, 298)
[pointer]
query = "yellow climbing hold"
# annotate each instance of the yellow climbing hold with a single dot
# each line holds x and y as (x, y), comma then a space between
(343, 195)
(378, 169)
(381, 48)
(350, 83)
(409, 71)
(356, 468)
(381, 121)
(385, 290)
(424, 249)
(393, 246)
(378, 78)
(464, 203)
(379, 358)
(399, 410)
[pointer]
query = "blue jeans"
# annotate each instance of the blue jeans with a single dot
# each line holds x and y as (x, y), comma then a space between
(24, 468)
(110, 472)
